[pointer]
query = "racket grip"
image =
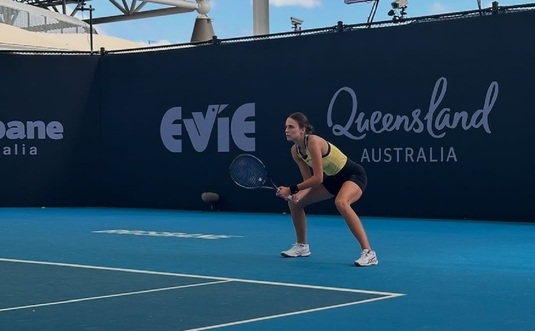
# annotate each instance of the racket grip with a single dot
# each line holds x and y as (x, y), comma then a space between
(288, 198)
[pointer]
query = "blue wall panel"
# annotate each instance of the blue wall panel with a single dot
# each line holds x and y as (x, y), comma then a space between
(50, 131)
(439, 114)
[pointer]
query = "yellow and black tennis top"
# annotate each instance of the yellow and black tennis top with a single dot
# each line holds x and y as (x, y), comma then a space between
(333, 161)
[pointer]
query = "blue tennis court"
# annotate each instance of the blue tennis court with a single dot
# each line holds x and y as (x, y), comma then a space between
(137, 269)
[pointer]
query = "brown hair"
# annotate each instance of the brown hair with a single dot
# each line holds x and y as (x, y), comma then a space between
(303, 122)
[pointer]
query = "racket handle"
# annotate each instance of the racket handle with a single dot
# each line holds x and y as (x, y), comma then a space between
(288, 198)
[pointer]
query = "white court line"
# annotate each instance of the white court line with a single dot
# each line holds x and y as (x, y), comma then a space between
(217, 280)
(107, 296)
(299, 312)
(148, 272)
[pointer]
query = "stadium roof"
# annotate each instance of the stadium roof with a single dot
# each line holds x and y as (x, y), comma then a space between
(26, 27)
(14, 38)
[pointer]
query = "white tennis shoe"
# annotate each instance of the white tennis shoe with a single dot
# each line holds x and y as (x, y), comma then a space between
(367, 258)
(297, 250)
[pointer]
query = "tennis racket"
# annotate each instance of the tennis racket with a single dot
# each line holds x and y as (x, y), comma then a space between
(249, 172)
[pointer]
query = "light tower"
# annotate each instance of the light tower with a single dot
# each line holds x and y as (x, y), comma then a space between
(203, 29)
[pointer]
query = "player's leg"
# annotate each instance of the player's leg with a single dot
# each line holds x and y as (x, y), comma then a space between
(349, 194)
(297, 210)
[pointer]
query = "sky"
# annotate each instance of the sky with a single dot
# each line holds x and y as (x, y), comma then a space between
(234, 18)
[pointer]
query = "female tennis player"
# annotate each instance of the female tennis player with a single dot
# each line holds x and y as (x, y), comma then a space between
(327, 173)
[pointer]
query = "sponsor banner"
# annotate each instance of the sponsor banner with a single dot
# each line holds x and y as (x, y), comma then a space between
(428, 132)
(441, 130)
(49, 131)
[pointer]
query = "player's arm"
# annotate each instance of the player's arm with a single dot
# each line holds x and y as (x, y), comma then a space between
(315, 176)
(304, 169)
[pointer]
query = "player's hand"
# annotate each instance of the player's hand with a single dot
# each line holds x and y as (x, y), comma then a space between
(283, 192)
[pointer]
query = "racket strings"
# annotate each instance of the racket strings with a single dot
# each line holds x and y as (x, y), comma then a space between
(248, 172)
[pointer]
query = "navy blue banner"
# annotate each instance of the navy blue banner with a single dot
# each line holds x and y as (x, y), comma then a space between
(440, 118)
(49, 131)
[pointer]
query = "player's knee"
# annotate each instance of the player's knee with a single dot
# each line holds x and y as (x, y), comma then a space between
(295, 206)
(341, 204)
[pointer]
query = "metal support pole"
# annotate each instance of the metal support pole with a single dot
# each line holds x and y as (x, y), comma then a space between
(91, 27)
(82, 8)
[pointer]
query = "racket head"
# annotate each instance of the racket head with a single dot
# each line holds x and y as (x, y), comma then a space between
(249, 172)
